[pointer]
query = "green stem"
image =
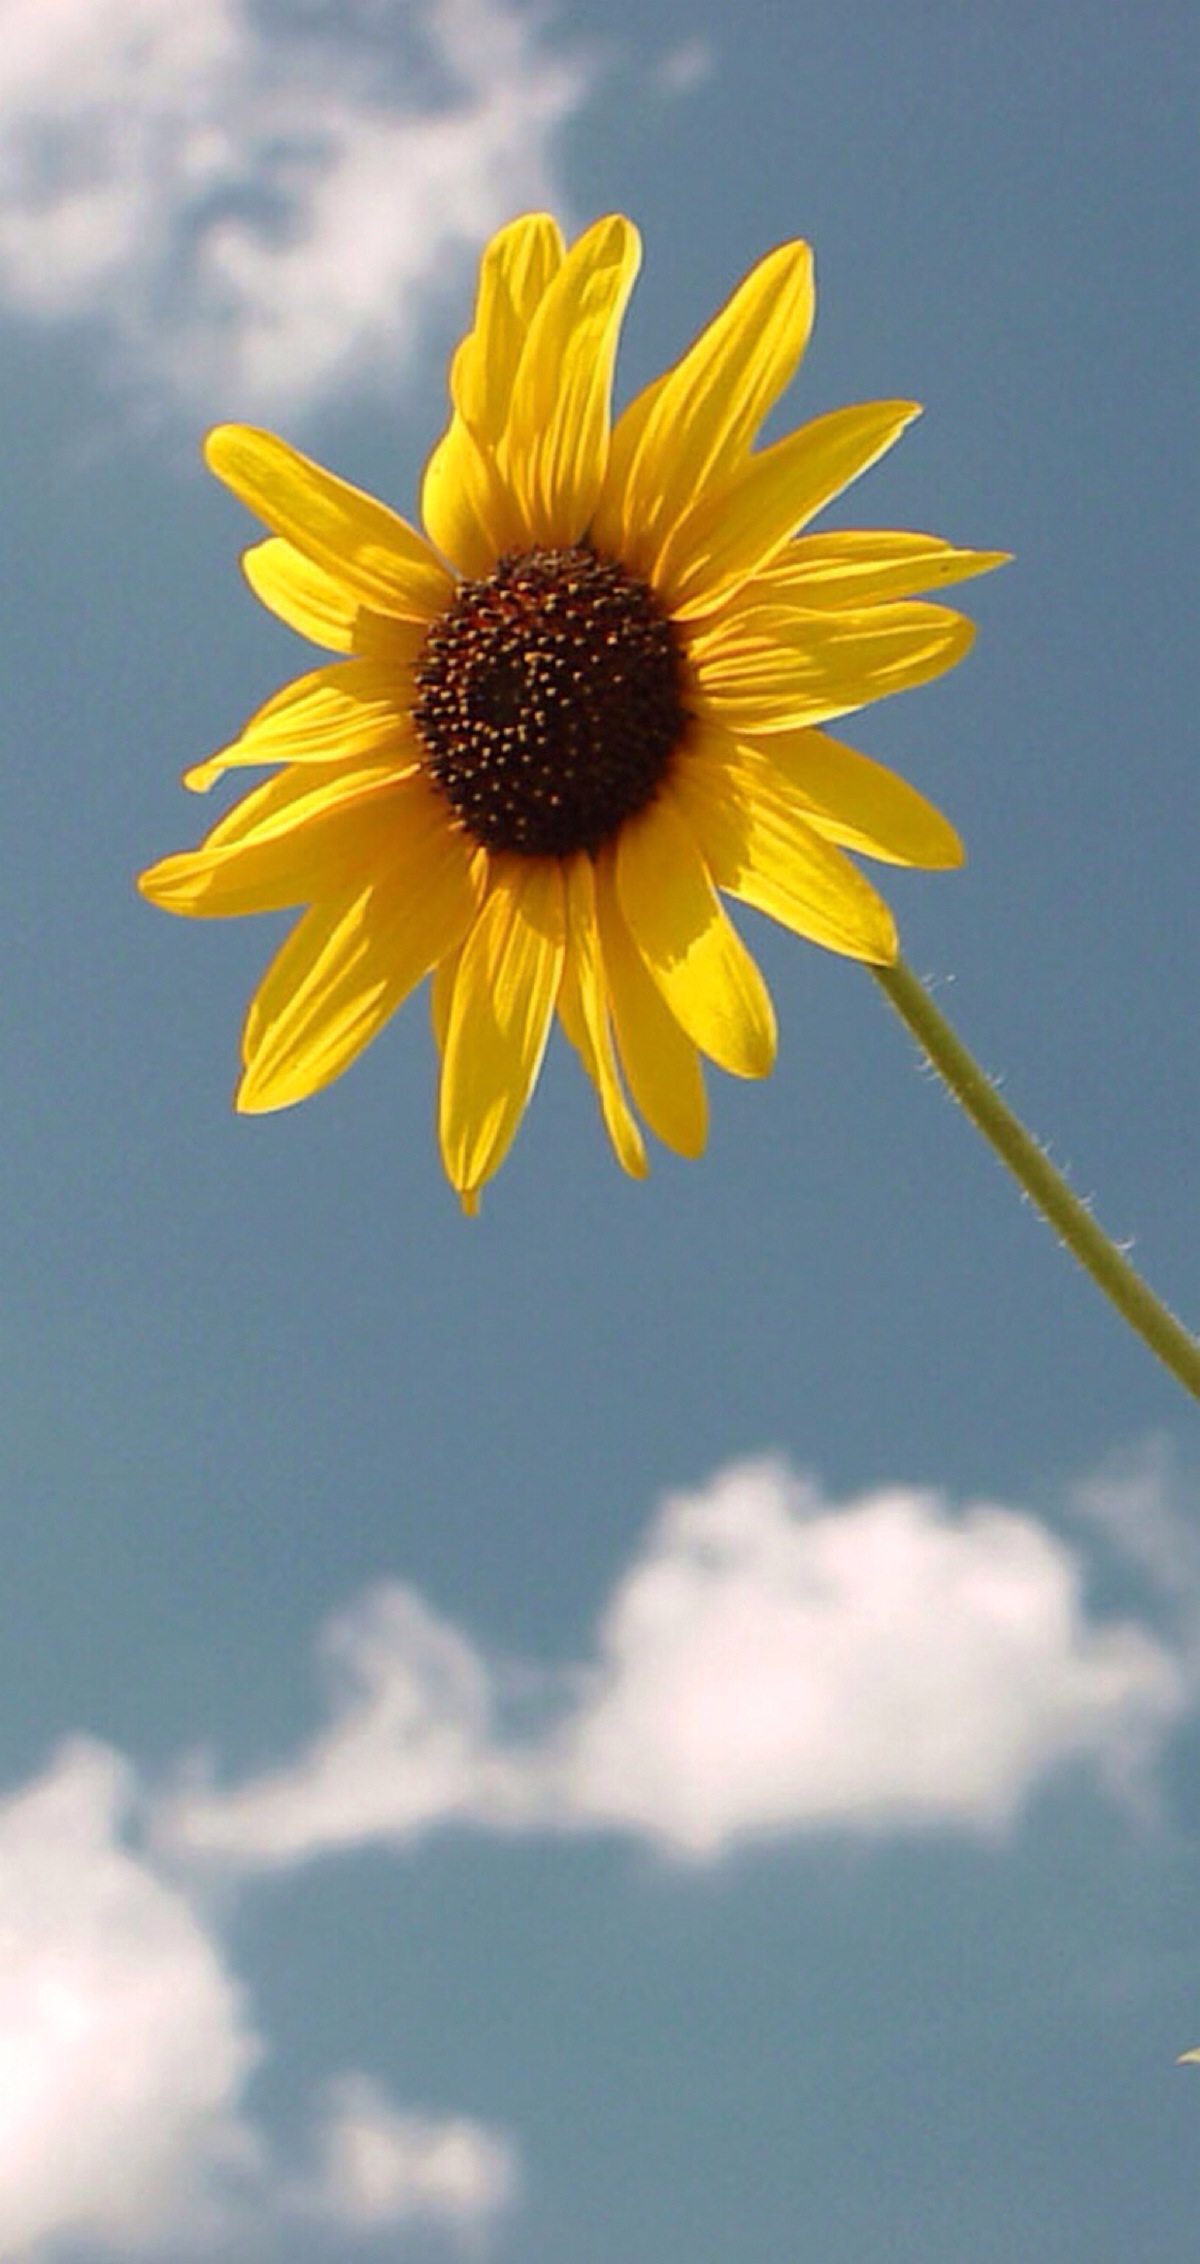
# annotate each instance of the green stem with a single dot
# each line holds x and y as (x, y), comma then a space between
(1036, 1174)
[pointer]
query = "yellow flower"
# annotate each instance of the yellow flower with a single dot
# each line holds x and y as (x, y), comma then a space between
(581, 708)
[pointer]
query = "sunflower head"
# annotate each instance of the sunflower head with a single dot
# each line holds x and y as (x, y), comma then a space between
(550, 701)
(585, 705)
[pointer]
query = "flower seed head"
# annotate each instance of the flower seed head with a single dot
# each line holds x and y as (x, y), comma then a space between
(550, 701)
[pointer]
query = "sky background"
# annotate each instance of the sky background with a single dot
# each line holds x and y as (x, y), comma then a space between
(663, 1722)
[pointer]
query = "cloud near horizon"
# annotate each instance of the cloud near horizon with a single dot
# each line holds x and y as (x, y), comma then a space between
(126, 2049)
(771, 1662)
(255, 206)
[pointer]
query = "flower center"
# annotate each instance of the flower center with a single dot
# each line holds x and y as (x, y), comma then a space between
(550, 701)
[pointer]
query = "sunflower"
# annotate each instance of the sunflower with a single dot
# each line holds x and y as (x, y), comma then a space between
(583, 706)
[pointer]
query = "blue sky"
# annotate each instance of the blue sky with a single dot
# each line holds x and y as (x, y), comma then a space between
(663, 1721)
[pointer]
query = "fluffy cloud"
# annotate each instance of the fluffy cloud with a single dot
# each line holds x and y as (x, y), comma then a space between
(771, 1662)
(126, 2047)
(775, 1663)
(259, 203)
(124, 2044)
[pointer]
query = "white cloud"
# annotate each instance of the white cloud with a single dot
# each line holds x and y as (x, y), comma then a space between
(126, 2048)
(378, 2167)
(771, 1662)
(124, 2044)
(1137, 1501)
(690, 64)
(410, 1742)
(257, 204)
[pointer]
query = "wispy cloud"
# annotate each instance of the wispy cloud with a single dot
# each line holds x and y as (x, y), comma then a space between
(255, 205)
(126, 2049)
(412, 1741)
(772, 1662)
(1137, 1502)
(688, 65)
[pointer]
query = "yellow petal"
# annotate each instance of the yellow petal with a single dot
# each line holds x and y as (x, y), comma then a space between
(659, 1059)
(500, 1012)
(515, 273)
(610, 531)
(464, 502)
(351, 961)
(757, 843)
(281, 800)
(289, 796)
(736, 529)
(555, 449)
(703, 416)
(315, 845)
(583, 1011)
(441, 996)
(856, 567)
(378, 557)
(320, 607)
(355, 707)
(445, 974)
(464, 505)
(776, 667)
(853, 801)
(697, 959)
(316, 604)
